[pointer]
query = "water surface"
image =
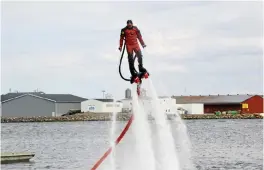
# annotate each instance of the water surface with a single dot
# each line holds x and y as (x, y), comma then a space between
(217, 144)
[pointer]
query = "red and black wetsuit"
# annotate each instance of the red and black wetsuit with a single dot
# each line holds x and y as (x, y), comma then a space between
(131, 35)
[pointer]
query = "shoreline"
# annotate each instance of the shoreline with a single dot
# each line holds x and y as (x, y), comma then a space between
(119, 116)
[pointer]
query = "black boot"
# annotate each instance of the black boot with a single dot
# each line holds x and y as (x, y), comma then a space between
(142, 71)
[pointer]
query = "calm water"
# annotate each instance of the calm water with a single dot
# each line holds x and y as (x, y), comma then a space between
(217, 144)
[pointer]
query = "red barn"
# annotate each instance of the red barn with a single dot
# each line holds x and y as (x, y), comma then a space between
(212, 103)
(253, 104)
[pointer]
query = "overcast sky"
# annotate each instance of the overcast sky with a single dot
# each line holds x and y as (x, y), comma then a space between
(192, 47)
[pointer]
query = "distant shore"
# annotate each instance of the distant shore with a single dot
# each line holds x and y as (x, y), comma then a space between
(120, 117)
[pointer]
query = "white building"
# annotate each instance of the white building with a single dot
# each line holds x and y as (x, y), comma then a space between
(127, 104)
(192, 108)
(168, 105)
(101, 106)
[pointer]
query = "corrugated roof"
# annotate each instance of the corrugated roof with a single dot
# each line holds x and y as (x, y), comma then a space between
(62, 98)
(212, 99)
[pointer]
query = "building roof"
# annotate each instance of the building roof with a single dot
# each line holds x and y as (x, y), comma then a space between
(105, 100)
(60, 98)
(212, 99)
(164, 97)
(147, 97)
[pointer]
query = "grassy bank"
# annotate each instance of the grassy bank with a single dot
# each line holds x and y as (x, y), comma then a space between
(120, 117)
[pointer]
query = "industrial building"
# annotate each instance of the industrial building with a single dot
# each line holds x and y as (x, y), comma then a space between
(191, 108)
(167, 104)
(101, 106)
(212, 103)
(28, 104)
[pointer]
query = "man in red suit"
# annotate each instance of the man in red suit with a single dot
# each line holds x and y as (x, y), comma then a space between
(131, 34)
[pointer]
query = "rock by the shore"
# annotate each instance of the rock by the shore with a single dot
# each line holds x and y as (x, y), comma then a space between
(119, 117)
(223, 116)
(76, 117)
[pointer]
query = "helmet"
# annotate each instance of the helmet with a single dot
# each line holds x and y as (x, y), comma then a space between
(129, 21)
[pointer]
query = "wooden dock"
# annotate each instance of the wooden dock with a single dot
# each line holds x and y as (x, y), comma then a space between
(15, 157)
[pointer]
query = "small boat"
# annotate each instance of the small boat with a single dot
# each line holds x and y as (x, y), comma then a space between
(15, 157)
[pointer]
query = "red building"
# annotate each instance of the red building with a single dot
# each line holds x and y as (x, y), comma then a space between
(253, 104)
(212, 103)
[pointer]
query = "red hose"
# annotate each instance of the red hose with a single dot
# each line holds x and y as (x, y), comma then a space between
(116, 142)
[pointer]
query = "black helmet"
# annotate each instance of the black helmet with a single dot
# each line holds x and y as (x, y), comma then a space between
(129, 21)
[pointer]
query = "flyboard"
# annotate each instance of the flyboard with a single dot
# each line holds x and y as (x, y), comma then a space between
(122, 134)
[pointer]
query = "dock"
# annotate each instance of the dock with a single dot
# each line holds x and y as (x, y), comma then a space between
(16, 157)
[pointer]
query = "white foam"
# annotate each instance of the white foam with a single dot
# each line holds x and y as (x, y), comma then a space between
(167, 155)
(142, 134)
(112, 138)
(143, 151)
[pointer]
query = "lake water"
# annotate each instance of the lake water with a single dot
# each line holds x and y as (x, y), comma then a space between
(217, 144)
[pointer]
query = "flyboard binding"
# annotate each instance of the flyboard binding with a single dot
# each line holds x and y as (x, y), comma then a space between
(138, 81)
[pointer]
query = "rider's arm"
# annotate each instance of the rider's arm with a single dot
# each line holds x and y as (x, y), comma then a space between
(139, 36)
(122, 37)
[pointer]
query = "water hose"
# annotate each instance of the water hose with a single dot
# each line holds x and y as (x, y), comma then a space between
(120, 137)
(120, 64)
(116, 142)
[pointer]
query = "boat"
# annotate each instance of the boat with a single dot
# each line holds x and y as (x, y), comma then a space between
(11, 157)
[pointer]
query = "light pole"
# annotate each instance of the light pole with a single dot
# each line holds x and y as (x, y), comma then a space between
(103, 93)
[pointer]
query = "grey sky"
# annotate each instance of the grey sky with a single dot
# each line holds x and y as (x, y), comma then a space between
(192, 47)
